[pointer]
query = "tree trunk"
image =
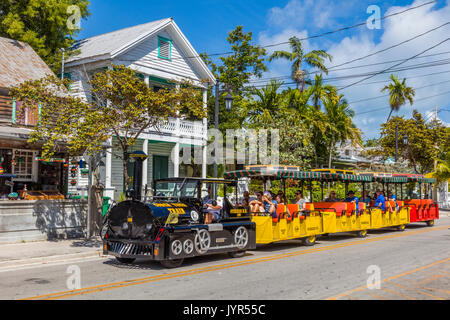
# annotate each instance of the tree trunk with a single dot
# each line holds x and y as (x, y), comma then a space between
(389, 115)
(125, 171)
(331, 153)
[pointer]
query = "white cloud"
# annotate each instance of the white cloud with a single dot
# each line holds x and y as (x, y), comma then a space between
(364, 41)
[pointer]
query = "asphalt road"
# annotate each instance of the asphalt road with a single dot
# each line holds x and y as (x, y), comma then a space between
(413, 264)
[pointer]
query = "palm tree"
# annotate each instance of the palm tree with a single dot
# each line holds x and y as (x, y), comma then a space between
(398, 94)
(321, 92)
(267, 104)
(341, 127)
(315, 59)
(442, 172)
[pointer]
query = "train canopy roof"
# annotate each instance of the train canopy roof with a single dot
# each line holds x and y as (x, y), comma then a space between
(270, 173)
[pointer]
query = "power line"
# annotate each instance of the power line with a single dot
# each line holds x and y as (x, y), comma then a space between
(387, 95)
(321, 34)
(421, 99)
(373, 73)
(395, 65)
(393, 46)
(347, 68)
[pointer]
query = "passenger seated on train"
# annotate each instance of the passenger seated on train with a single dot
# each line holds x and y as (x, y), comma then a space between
(270, 205)
(365, 198)
(215, 209)
(281, 199)
(257, 205)
(352, 198)
(380, 201)
(392, 197)
(332, 197)
(247, 199)
(300, 201)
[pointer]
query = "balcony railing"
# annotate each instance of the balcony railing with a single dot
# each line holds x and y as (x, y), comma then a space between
(179, 127)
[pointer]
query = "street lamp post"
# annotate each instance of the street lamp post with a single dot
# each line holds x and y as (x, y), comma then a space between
(396, 141)
(228, 106)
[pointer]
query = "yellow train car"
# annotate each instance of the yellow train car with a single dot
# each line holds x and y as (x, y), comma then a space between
(323, 217)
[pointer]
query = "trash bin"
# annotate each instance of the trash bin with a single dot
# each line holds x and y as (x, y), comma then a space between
(105, 205)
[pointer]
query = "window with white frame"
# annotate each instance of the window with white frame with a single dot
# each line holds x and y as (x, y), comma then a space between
(23, 164)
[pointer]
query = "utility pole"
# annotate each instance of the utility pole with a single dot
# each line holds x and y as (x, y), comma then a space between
(396, 141)
(436, 155)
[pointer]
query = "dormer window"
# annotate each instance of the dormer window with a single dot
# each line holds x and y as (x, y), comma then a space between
(164, 48)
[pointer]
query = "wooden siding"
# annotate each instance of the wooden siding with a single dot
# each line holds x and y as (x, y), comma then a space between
(146, 55)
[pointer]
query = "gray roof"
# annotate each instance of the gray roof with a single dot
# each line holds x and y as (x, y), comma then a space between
(19, 63)
(109, 42)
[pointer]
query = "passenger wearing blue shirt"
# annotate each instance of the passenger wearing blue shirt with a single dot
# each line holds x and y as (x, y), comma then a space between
(351, 198)
(270, 205)
(380, 202)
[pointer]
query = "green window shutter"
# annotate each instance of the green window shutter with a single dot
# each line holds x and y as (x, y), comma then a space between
(13, 111)
(164, 48)
(160, 167)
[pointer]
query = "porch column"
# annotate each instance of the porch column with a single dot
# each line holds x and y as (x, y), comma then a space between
(108, 171)
(144, 165)
(205, 133)
(176, 160)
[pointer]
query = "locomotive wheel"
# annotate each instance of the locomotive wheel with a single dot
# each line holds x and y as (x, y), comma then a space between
(309, 241)
(236, 254)
(430, 223)
(401, 227)
(202, 241)
(125, 260)
(241, 237)
(172, 263)
(361, 233)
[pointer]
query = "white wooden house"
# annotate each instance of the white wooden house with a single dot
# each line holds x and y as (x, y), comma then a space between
(160, 53)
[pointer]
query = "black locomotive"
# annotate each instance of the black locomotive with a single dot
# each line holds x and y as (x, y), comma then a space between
(175, 223)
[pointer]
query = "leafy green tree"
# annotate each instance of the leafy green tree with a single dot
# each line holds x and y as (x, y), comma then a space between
(234, 72)
(341, 128)
(320, 92)
(314, 59)
(46, 25)
(270, 109)
(124, 106)
(399, 93)
(424, 141)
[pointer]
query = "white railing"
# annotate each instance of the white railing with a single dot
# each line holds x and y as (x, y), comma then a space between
(179, 127)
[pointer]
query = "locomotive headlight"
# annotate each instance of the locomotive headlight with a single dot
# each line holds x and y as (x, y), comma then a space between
(194, 215)
(125, 226)
(148, 227)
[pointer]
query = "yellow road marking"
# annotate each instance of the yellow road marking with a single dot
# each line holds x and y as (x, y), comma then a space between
(417, 290)
(396, 293)
(440, 290)
(104, 287)
(389, 279)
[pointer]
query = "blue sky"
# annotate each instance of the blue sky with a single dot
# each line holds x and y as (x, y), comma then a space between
(207, 22)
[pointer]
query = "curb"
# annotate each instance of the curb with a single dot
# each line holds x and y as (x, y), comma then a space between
(49, 259)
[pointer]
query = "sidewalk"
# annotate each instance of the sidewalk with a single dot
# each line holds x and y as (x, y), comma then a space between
(42, 252)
